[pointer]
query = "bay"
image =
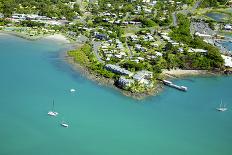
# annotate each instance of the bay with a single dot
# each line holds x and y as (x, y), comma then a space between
(102, 121)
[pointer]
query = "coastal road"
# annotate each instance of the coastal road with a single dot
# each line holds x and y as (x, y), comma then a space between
(96, 45)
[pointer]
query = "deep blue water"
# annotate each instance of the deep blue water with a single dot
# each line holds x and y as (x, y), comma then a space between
(102, 121)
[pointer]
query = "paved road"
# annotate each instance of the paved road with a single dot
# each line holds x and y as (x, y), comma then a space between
(174, 19)
(185, 12)
(96, 45)
(196, 5)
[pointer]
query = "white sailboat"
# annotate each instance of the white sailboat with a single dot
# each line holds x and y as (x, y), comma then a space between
(53, 113)
(222, 107)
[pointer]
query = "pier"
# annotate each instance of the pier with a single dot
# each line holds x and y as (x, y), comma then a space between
(170, 84)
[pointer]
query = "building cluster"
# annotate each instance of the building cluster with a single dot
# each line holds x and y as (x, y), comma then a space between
(202, 29)
(165, 37)
(37, 18)
(118, 70)
(112, 49)
(128, 78)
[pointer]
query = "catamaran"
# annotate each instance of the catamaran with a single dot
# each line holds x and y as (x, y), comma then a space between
(53, 113)
(222, 107)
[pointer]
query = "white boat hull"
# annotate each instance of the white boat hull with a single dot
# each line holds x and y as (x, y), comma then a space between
(222, 109)
(52, 113)
(64, 125)
(72, 90)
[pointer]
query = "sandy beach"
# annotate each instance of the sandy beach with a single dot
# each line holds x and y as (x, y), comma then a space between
(57, 37)
(54, 37)
(181, 73)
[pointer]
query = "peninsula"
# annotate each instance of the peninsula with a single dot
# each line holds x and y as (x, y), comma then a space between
(130, 44)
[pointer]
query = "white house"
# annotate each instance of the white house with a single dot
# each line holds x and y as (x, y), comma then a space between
(228, 27)
(143, 76)
(197, 50)
(227, 60)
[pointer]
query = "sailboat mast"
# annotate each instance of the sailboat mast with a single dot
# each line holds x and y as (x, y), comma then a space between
(53, 105)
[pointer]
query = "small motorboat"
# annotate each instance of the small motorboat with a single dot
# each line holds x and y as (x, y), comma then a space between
(72, 90)
(64, 124)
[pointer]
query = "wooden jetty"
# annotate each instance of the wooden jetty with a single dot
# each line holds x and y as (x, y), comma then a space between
(170, 84)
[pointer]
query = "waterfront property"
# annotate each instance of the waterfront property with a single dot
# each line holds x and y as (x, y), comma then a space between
(143, 76)
(227, 60)
(117, 69)
(103, 121)
(124, 82)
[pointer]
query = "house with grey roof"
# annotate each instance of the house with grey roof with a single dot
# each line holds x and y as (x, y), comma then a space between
(118, 70)
(124, 82)
(143, 76)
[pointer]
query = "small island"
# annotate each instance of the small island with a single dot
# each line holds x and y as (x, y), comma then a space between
(132, 45)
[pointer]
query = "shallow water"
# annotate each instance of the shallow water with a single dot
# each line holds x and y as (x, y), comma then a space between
(102, 121)
(217, 16)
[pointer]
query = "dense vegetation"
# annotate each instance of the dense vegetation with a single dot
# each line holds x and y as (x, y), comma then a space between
(28, 23)
(213, 3)
(85, 57)
(182, 34)
(172, 58)
(49, 8)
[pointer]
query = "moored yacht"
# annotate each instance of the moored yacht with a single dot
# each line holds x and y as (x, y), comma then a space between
(53, 112)
(222, 107)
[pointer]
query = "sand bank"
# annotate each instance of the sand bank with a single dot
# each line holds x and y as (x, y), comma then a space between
(57, 37)
(181, 73)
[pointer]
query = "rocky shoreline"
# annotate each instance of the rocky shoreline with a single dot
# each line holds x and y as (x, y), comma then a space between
(166, 74)
(91, 75)
(109, 82)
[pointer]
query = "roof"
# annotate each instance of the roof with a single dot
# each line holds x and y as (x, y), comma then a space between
(118, 69)
(197, 50)
(140, 75)
(227, 60)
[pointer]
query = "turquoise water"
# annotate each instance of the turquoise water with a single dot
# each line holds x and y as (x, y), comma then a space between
(102, 121)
